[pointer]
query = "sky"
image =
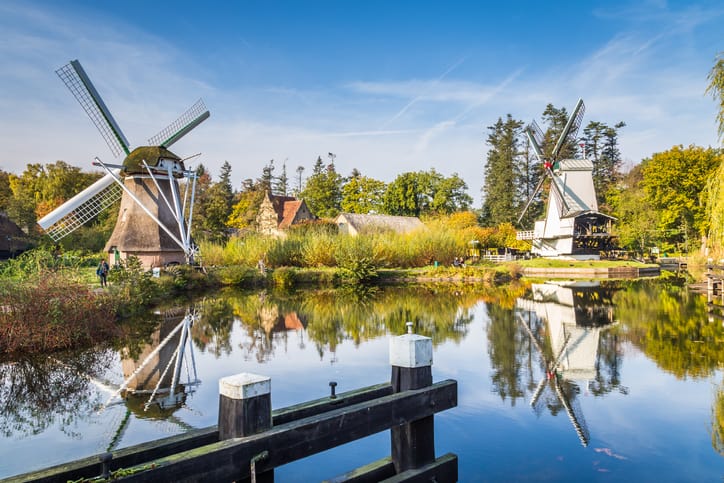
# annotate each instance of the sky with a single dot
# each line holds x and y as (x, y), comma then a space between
(387, 87)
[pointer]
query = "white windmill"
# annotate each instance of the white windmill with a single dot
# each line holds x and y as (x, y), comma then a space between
(152, 222)
(573, 227)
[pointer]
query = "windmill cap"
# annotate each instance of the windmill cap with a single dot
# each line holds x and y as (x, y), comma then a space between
(152, 155)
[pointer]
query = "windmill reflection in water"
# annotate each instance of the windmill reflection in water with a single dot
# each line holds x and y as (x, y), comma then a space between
(574, 313)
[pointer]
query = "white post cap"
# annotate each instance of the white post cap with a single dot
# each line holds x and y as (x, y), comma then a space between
(244, 386)
(411, 350)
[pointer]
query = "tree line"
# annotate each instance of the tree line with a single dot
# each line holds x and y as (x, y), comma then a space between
(673, 199)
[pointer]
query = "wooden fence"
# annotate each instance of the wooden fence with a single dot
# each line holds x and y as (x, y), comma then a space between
(251, 440)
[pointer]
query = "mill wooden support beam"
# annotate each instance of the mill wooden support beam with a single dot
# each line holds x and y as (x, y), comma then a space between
(412, 443)
(141, 453)
(229, 460)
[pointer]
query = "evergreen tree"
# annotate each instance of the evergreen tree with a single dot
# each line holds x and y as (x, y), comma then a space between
(281, 186)
(323, 190)
(600, 144)
(502, 185)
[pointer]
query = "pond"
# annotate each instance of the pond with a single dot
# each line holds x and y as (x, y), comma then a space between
(557, 381)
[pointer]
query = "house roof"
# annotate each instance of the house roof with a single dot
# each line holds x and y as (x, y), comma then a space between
(289, 211)
(12, 238)
(399, 224)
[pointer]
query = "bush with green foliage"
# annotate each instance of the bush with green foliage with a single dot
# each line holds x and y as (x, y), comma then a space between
(355, 259)
(132, 286)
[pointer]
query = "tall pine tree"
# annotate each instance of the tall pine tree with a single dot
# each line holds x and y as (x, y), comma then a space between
(502, 185)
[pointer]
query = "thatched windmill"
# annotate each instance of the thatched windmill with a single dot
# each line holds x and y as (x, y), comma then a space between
(573, 226)
(152, 222)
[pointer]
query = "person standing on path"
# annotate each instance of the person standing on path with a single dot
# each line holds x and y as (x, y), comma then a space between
(102, 272)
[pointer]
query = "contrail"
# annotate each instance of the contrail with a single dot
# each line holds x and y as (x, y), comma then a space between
(415, 99)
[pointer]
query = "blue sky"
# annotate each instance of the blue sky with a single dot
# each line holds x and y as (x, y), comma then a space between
(388, 87)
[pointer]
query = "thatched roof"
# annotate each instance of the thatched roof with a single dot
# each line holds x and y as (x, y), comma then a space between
(369, 223)
(152, 154)
(12, 238)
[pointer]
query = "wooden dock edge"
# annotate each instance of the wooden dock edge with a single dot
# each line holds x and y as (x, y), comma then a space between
(444, 468)
(90, 467)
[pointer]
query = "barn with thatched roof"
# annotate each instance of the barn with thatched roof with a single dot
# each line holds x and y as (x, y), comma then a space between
(278, 213)
(13, 240)
(355, 223)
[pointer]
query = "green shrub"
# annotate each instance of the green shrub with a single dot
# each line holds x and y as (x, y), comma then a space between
(284, 277)
(236, 275)
(132, 286)
(355, 259)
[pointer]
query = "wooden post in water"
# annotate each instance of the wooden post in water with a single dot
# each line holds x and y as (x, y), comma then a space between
(413, 444)
(244, 410)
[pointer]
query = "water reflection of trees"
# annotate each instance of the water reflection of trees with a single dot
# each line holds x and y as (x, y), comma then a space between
(36, 393)
(330, 317)
(670, 325)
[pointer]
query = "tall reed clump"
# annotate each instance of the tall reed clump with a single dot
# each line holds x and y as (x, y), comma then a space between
(319, 250)
(418, 248)
(50, 313)
(355, 258)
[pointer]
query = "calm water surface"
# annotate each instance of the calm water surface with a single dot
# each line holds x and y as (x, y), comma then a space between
(557, 382)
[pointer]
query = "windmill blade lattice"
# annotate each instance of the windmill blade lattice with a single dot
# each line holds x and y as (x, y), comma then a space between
(81, 208)
(535, 134)
(570, 132)
(194, 116)
(79, 84)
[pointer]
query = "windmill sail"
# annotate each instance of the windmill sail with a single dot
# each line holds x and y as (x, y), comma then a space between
(81, 208)
(79, 84)
(194, 116)
(571, 130)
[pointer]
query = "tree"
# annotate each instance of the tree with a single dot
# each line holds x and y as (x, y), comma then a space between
(300, 170)
(5, 192)
(425, 193)
(361, 194)
(674, 182)
(402, 196)
(600, 144)
(555, 120)
(636, 226)
(450, 195)
(281, 186)
(502, 185)
(248, 200)
(716, 89)
(714, 196)
(323, 190)
(42, 188)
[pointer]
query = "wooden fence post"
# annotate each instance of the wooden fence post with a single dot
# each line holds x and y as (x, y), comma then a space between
(413, 444)
(244, 410)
